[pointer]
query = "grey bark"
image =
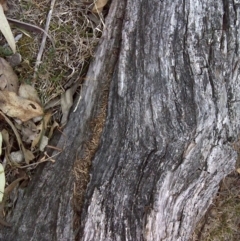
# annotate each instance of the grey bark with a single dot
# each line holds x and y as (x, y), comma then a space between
(44, 211)
(173, 114)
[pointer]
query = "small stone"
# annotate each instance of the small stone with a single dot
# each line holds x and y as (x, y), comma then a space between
(14, 59)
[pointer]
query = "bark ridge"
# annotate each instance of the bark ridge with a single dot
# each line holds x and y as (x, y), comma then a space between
(173, 115)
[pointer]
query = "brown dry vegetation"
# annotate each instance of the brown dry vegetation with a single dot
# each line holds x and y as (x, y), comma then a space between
(75, 32)
(222, 221)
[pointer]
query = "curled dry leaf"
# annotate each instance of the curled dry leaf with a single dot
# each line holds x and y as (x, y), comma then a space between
(8, 79)
(8, 146)
(28, 92)
(14, 184)
(29, 131)
(38, 137)
(28, 155)
(98, 6)
(53, 103)
(54, 125)
(67, 102)
(18, 107)
(41, 128)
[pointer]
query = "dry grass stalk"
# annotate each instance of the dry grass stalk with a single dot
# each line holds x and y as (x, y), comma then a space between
(40, 53)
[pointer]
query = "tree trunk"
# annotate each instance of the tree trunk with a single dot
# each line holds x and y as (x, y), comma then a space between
(173, 114)
(172, 119)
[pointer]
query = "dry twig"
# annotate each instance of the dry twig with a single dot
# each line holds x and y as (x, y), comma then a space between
(40, 53)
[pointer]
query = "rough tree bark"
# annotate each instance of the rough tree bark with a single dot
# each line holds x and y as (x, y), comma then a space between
(172, 119)
(173, 114)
